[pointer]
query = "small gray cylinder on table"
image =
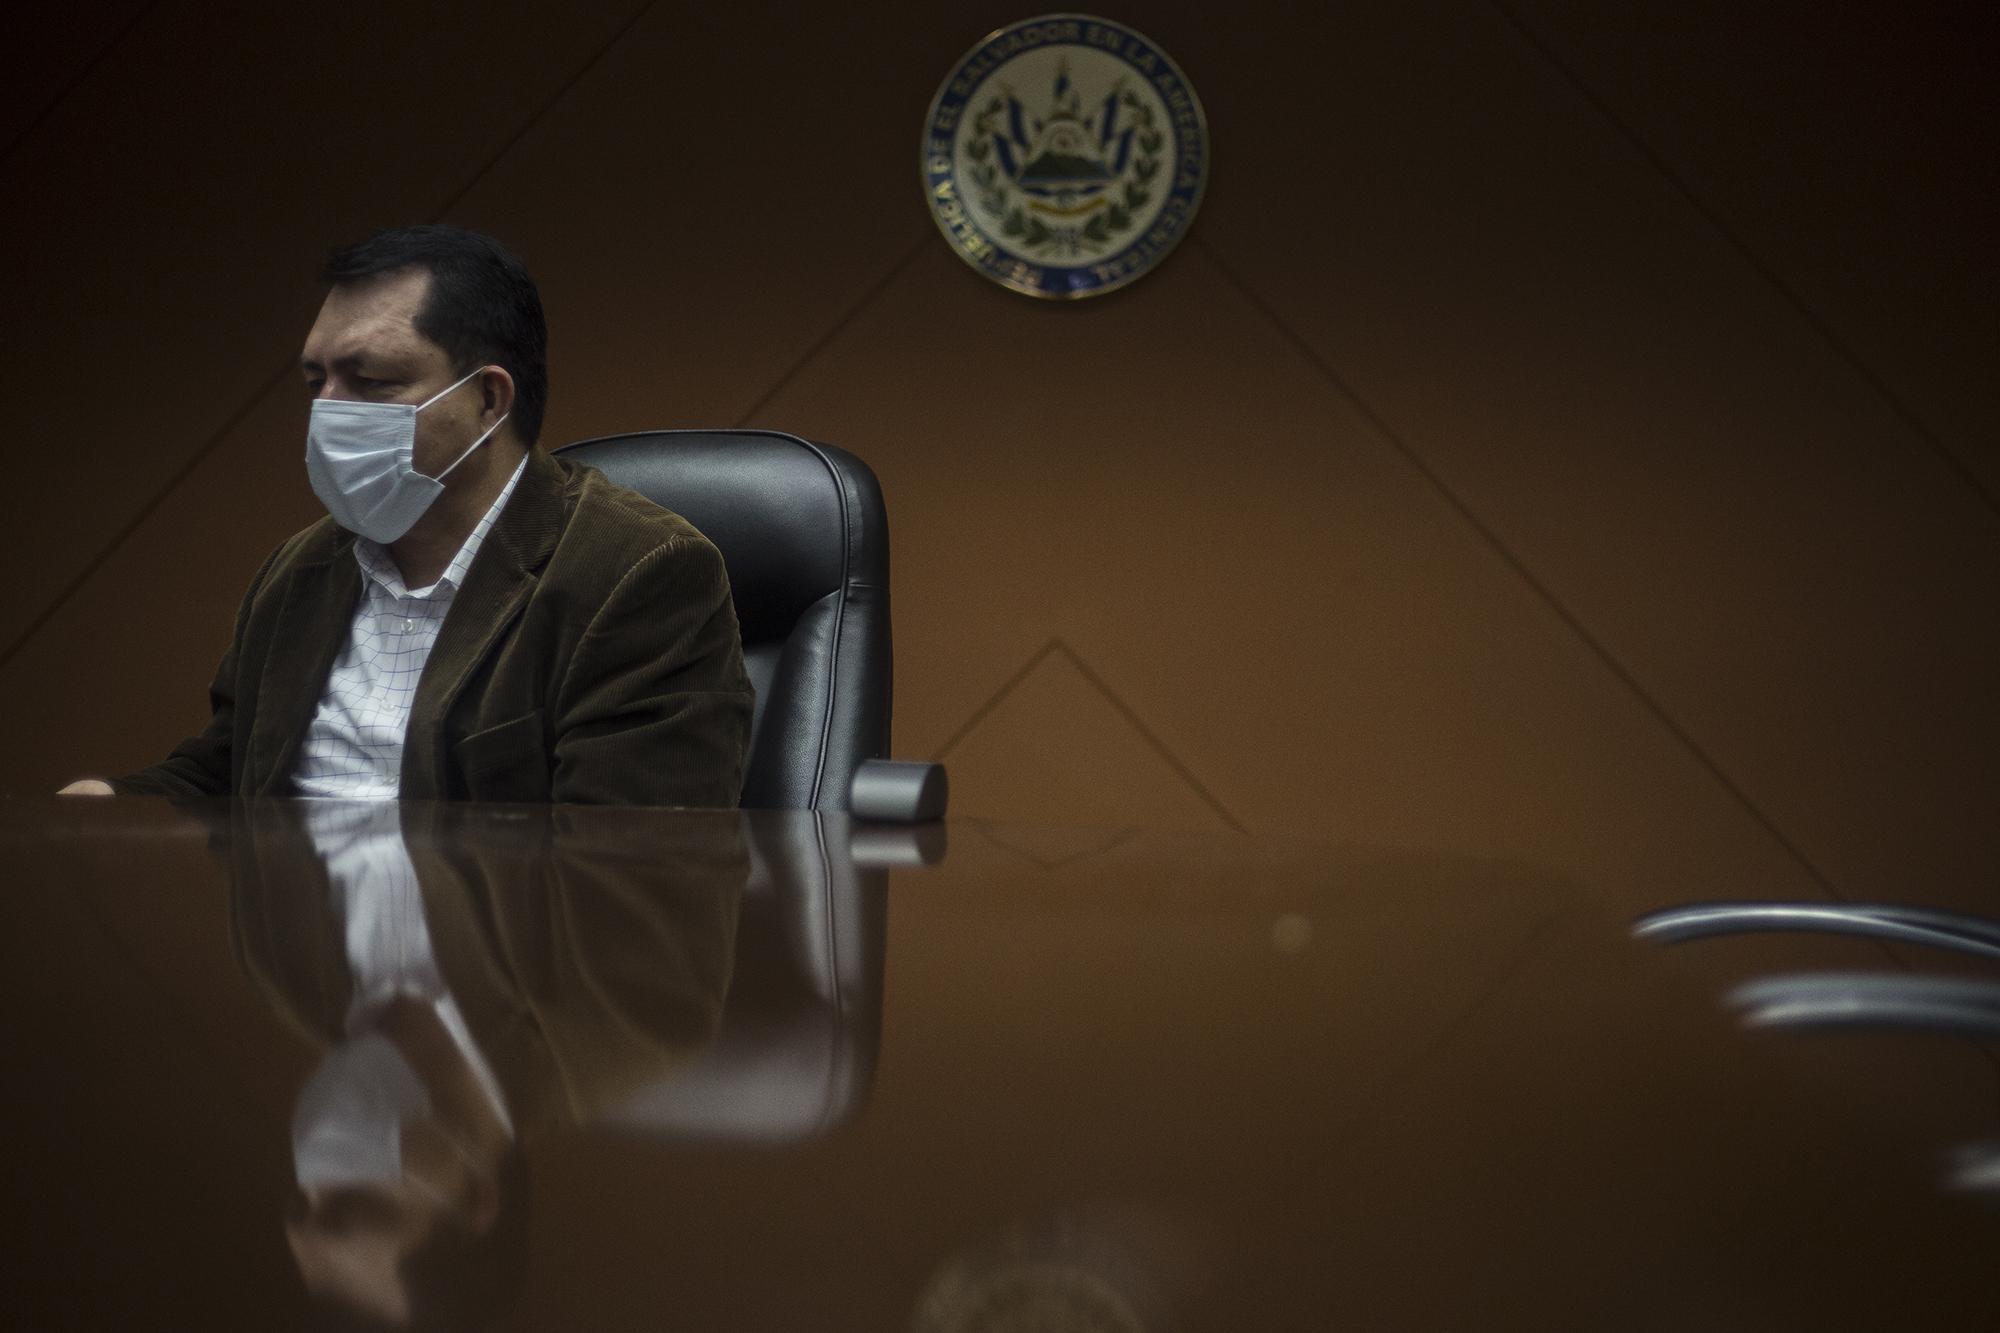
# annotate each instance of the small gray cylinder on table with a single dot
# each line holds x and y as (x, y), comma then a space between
(901, 793)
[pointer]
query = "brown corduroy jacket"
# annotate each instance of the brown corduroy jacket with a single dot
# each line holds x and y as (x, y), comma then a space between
(592, 655)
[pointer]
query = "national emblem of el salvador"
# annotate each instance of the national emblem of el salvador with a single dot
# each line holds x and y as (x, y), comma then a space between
(1065, 156)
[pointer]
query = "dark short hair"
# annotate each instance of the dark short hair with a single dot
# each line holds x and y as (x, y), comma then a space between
(482, 307)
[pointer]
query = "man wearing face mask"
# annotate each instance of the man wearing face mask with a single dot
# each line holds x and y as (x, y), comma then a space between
(474, 619)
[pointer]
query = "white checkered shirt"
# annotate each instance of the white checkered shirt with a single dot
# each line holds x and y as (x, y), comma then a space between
(379, 898)
(354, 746)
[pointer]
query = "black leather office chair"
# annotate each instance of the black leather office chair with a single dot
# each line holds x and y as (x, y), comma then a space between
(804, 534)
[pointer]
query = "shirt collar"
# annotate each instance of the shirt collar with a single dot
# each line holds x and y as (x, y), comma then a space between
(380, 566)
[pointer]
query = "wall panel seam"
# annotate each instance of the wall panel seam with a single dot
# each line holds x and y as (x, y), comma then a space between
(839, 326)
(1822, 327)
(48, 112)
(1487, 534)
(1118, 705)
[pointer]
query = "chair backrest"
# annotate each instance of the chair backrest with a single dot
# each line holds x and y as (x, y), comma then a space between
(804, 535)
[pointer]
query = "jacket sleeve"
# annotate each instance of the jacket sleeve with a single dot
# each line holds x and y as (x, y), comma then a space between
(200, 765)
(654, 708)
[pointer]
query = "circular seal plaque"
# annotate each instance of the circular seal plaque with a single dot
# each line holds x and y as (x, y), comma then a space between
(1065, 156)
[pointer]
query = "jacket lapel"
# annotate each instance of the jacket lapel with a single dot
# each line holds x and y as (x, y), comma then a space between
(496, 587)
(318, 609)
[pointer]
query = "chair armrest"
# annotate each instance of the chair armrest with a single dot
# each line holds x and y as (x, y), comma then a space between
(898, 793)
(1882, 921)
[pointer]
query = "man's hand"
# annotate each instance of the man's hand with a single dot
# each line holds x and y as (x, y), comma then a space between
(88, 787)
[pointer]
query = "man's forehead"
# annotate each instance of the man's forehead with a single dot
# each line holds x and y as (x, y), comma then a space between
(372, 318)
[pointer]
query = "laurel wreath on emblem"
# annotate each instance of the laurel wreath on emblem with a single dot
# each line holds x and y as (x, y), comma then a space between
(997, 196)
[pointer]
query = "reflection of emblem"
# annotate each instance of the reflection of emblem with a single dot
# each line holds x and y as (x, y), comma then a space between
(1065, 156)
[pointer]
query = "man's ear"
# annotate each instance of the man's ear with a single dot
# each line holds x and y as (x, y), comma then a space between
(496, 391)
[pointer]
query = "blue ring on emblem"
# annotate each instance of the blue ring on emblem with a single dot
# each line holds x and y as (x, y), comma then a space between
(1073, 170)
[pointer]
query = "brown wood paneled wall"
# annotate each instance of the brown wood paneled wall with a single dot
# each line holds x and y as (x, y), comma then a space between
(1564, 436)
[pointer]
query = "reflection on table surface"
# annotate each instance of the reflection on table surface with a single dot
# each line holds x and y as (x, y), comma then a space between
(520, 1067)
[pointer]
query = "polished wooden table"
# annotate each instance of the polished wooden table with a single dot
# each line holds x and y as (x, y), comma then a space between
(781, 1071)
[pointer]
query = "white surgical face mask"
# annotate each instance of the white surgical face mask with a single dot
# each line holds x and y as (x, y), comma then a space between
(359, 459)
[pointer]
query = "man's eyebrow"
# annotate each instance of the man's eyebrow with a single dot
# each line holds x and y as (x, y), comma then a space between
(347, 362)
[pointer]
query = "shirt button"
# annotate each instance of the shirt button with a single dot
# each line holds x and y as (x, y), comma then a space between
(409, 626)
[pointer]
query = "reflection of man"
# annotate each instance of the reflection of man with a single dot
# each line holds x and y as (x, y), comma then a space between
(474, 618)
(472, 979)
(411, 1203)
(403, 1146)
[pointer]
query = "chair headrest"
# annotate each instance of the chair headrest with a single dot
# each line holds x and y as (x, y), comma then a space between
(794, 520)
